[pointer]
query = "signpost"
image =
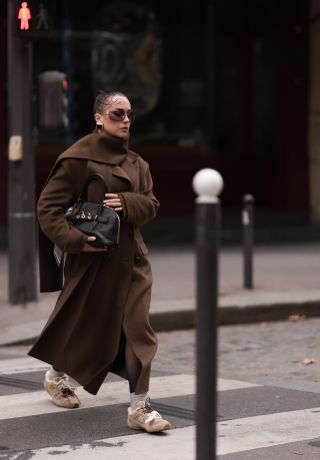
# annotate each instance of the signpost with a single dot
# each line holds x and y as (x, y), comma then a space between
(21, 218)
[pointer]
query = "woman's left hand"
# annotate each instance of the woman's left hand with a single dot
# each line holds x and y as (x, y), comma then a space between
(113, 201)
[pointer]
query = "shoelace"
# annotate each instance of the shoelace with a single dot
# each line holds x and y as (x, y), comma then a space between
(147, 409)
(66, 387)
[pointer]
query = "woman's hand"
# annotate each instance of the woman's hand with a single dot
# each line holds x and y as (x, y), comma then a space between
(89, 248)
(113, 201)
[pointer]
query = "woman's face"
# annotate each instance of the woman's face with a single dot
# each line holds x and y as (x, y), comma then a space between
(114, 118)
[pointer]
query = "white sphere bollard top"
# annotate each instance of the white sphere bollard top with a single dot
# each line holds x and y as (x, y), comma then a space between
(207, 184)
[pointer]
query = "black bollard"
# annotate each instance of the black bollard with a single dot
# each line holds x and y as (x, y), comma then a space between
(207, 245)
(248, 237)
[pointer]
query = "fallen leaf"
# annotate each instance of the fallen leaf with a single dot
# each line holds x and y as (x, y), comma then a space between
(308, 361)
(296, 317)
(264, 324)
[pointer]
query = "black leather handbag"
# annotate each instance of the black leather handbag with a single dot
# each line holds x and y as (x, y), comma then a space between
(95, 219)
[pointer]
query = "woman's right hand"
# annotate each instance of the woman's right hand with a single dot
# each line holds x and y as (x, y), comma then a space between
(89, 248)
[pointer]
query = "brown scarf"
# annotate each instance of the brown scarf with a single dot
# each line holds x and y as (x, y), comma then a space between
(98, 146)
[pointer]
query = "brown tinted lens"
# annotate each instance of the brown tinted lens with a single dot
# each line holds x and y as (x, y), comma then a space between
(117, 115)
(120, 115)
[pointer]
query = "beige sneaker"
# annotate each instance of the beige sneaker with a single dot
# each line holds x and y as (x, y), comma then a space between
(62, 392)
(145, 418)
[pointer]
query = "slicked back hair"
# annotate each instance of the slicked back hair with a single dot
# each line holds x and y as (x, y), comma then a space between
(104, 99)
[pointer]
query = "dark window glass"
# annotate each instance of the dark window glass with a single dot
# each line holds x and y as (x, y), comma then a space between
(156, 58)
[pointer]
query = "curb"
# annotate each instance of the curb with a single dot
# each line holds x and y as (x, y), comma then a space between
(235, 315)
(168, 321)
(268, 312)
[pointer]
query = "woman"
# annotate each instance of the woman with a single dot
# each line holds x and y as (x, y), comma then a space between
(100, 322)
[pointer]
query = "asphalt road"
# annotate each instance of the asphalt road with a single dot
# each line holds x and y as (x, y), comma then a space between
(268, 401)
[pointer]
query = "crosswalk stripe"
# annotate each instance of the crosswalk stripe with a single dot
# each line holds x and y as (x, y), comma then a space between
(268, 430)
(29, 364)
(228, 384)
(238, 435)
(38, 402)
(176, 444)
(21, 365)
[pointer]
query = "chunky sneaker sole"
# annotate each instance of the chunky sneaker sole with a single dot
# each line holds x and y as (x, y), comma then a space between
(156, 427)
(62, 392)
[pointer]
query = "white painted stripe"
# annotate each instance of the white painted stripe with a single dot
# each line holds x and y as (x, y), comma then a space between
(39, 402)
(29, 364)
(226, 385)
(22, 365)
(233, 436)
(173, 445)
(268, 430)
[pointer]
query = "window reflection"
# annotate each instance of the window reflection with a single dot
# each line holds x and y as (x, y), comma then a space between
(157, 59)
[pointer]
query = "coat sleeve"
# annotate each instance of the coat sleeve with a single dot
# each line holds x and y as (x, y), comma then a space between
(57, 195)
(140, 207)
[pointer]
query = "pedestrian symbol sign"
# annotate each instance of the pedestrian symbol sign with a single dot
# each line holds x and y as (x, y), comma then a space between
(42, 17)
(24, 16)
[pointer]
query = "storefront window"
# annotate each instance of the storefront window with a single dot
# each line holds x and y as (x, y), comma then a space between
(157, 59)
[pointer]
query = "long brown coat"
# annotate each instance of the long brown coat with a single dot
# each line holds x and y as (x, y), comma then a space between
(105, 297)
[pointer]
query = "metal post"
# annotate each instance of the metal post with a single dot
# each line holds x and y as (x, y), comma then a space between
(248, 235)
(21, 219)
(207, 184)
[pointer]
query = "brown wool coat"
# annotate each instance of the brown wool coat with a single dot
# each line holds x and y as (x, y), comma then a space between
(105, 297)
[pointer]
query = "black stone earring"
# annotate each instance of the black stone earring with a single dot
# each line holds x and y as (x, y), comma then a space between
(99, 125)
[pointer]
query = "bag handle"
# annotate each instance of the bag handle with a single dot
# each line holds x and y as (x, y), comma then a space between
(91, 178)
(84, 192)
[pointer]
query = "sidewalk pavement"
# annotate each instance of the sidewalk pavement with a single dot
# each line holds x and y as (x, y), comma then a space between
(286, 282)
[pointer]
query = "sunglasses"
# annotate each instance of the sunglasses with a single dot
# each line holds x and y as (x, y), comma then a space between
(120, 115)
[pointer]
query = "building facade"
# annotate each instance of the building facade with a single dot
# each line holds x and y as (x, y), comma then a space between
(228, 84)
